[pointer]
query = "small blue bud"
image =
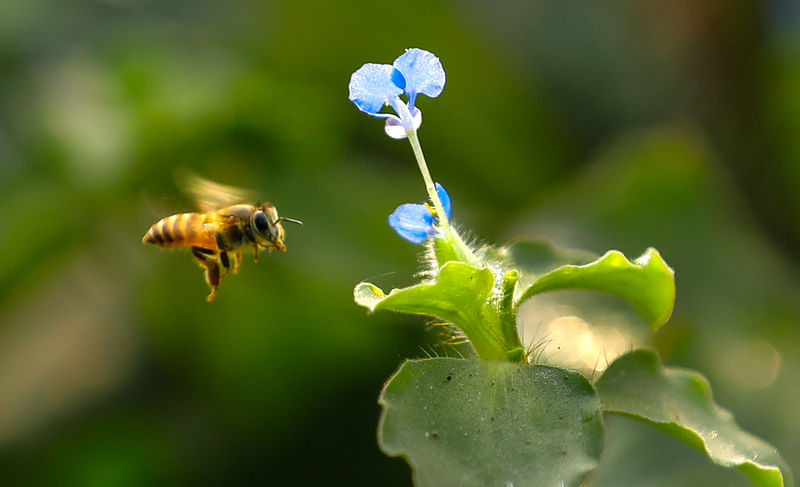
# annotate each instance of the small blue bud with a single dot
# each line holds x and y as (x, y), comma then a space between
(444, 198)
(415, 222)
(412, 221)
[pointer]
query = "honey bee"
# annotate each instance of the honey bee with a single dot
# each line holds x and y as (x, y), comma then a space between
(218, 234)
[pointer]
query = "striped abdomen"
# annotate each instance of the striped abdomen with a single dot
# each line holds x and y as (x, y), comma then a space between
(184, 230)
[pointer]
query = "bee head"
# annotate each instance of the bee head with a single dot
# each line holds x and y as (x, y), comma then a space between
(267, 227)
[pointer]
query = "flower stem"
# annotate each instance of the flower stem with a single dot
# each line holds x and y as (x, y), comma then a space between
(444, 224)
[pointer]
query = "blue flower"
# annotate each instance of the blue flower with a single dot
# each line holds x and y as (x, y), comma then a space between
(416, 222)
(374, 86)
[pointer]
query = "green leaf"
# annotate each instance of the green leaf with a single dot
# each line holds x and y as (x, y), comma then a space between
(647, 283)
(534, 258)
(679, 402)
(460, 295)
(483, 301)
(478, 422)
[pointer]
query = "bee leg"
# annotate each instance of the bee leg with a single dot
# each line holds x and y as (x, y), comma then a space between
(237, 259)
(213, 279)
(226, 263)
(256, 250)
(207, 259)
(223, 254)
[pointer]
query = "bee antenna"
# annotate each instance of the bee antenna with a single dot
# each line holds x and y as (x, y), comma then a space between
(290, 220)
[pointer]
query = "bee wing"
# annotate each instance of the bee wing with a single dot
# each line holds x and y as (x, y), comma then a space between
(158, 201)
(211, 196)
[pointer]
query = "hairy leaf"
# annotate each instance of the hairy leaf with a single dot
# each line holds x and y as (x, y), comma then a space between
(477, 423)
(679, 402)
(460, 295)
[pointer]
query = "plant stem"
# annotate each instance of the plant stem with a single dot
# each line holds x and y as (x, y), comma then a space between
(444, 224)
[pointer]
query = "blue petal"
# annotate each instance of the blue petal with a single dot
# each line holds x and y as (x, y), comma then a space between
(398, 79)
(371, 87)
(412, 221)
(422, 73)
(444, 198)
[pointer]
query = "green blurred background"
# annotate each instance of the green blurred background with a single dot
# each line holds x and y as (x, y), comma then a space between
(610, 124)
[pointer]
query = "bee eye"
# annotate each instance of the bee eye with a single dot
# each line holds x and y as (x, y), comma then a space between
(260, 221)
